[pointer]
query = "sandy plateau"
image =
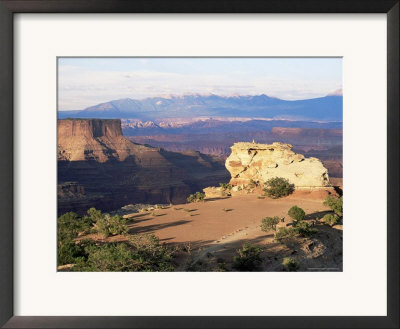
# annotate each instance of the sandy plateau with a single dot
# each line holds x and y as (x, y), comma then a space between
(208, 234)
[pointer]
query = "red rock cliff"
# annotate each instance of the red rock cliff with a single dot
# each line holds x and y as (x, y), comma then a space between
(90, 128)
(94, 139)
(113, 171)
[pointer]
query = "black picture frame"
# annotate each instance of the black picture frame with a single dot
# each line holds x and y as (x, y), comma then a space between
(9, 7)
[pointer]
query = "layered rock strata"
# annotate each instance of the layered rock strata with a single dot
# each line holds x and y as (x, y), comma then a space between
(111, 171)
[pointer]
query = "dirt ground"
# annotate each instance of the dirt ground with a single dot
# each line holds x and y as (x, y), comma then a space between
(208, 234)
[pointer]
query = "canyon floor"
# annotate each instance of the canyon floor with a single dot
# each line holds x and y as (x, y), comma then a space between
(208, 234)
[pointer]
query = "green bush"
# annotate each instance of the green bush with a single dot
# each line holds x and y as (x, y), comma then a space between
(301, 228)
(115, 257)
(142, 253)
(108, 225)
(151, 254)
(225, 189)
(248, 258)
(278, 187)
(304, 229)
(67, 252)
(94, 214)
(225, 186)
(331, 219)
(283, 234)
(70, 225)
(296, 213)
(196, 197)
(269, 223)
(336, 204)
(72, 252)
(290, 264)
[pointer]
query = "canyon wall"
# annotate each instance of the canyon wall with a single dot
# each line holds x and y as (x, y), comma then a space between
(108, 171)
(215, 137)
(94, 139)
(90, 128)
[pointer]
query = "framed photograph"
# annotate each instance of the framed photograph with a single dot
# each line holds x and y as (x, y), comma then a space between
(200, 165)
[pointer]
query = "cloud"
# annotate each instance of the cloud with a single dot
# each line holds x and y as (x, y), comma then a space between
(80, 88)
(337, 92)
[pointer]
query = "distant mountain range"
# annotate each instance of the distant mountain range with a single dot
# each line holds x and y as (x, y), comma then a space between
(328, 108)
(131, 127)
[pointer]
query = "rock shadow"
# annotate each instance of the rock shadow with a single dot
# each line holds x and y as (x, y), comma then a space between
(317, 214)
(155, 227)
(216, 198)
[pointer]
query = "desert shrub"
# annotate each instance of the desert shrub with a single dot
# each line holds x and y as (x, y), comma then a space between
(225, 186)
(248, 258)
(70, 225)
(296, 213)
(108, 225)
(269, 223)
(150, 254)
(115, 257)
(331, 219)
(301, 228)
(67, 226)
(304, 229)
(194, 266)
(225, 189)
(220, 267)
(142, 253)
(336, 204)
(290, 264)
(253, 183)
(117, 225)
(72, 252)
(283, 234)
(196, 197)
(68, 251)
(94, 214)
(278, 187)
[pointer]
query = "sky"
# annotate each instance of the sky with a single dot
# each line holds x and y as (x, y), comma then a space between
(84, 82)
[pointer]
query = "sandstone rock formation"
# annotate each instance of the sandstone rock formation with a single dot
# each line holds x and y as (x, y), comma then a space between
(260, 162)
(216, 192)
(112, 171)
(94, 139)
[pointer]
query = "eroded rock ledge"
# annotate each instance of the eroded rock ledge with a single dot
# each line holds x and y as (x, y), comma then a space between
(260, 162)
(100, 140)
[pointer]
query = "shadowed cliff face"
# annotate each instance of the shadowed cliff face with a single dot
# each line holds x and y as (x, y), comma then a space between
(113, 171)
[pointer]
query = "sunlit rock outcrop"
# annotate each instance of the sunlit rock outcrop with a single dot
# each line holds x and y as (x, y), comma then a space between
(260, 162)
